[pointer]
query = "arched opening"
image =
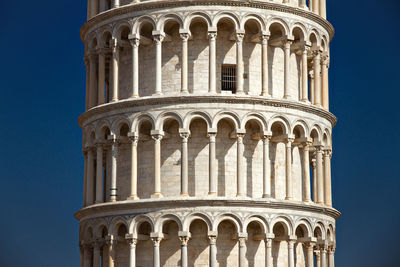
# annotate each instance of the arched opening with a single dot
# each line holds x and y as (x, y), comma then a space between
(104, 249)
(280, 244)
(296, 62)
(227, 244)
(198, 156)
(253, 158)
(145, 160)
(147, 54)
(313, 169)
(107, 66)
(297, 162)
(300, 252)
(278, 160)
(314, 45)
(198, 244)
(171, 158)
(226, 158)
(255, 247)
(252, 57)
(144, 246)
(170, 244)
(275, 59)
(121, 248)
(226, 56)
(124, 63)
(198, 58)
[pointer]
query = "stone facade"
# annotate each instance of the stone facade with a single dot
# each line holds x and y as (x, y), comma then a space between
(181, 170)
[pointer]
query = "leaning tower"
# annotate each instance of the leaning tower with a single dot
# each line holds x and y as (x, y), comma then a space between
(207, 135)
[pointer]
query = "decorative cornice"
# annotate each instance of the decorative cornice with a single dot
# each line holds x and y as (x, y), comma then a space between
(148, 5)
(194, 99)
(154, 205)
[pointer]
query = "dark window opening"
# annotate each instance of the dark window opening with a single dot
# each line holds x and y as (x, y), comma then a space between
(228, 78)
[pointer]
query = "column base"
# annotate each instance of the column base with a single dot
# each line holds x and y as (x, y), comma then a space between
(212, 193)
(157, 195)
(184, 195)
(98, 202)
(288, 198)
(266, 196)
(266, 95)
(287, 97)
(306, 101)
(134, 197)
(134, 96)
(157, 94)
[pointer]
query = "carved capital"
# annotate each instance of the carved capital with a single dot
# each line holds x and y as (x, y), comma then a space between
(264, 39)
(239, 37)
(135, 42)
(212, 36)
(213, 239)
(184, 36)
(158, 38)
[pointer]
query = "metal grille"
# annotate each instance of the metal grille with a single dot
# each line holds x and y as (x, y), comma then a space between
(228, 78)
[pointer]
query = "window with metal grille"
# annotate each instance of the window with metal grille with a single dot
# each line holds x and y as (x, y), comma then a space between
(228, 78)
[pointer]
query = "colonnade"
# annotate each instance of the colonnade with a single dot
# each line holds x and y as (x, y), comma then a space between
(313, 79)
(320, 251)
(320, 161)
(97, 6)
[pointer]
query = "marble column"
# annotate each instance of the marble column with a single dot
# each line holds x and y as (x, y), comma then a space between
(132, 249)
(317, 78)
(95, 7)
(99, 174)
(291, 252)
(239, 164)
(184, 34)
(331, 257)
(115, 3)
(111, 242)
(134, 137)
(320, 176)
(85, 155)
(287, 45)
(213, 250)
(302, 4)
(239, 61)
(101, 77)
(96, 254)
(327, 177)
(158, 39)
(157, 137)
(315, 7)
(87, 65)
(135, 42)
(81, 256)
(317, 258)
(325, 82)
(322, 8)
(90, 178)
(311, 83)
(314, 178)
(184, 238)
(310, 254)
(87, 255)
(92, 80)
(212, 164)
(115, 71)
(268, 250)
(114, 156)
(304, 74)
(306, 172)
(156, 250)
(266, 167)
(212, 69)
(184, 164)
(242, 249)
(264, 44)
(289, 182)
(323, 256)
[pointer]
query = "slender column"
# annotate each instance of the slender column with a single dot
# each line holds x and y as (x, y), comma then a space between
(322, 8)
(92, 80)
(184, 164)
(134, 137)
(291, 252)
(212, 167)
(90, 178)
(81, 256)
(95, 8)
(101, 81)
(132, 249)
(212, 68)
(315, 6)
(114, 155)
(306, 172)
(331, 256)
(158, 39)
(157, 136)
(239, 61)
(304, 75)
(87, 65)
(85, 172)
(96, 254)
(184, 238)
(320, 176)
(111, 242)
(266, 167)
(287, 45)
(115, 3)
(102, 6)
(268, 250)
(242, 249)
(135, 42)
(285, 1)
(239, 164)
(184, 71)
(99, 174)
(311, 83)
(213, 250)
(115, 63)
(314, 170)
(289, 182)
(264, 43)
(310, 254)
(317, 258)
(303, 4)
(87, 255)
(156, 238)
(325, 82)
(317, 78)
(323, 256)
(327, 177)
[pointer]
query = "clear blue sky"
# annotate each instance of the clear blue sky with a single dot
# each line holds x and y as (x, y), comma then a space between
(41, 165)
